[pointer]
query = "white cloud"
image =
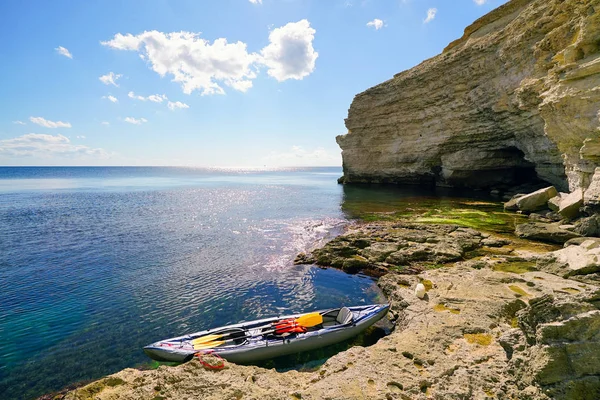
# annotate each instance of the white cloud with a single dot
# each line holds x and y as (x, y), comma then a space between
(80, 137)
(46, 146)
(19, 123)
(431, 13)
(198, 64)
(298, 156)
(134, 121)
(110, 78)
(290, 53)
(256, 1)
(111, 98)
(105, 123)
(193, 62)
(156, 98)
(177, 104)
(376, 23)
(63, 52)
(49, 124)
(480, 2)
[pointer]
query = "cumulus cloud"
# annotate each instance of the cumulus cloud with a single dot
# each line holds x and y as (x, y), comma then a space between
(80, 137)
(156, 98)
(49, 124)
(63, 52)
(431, 13)
(480, 2)
(19, 123)
(110, 79)
(256, 1)
(290, 53)
(46, 146)
(376, 23)
(110, 98)
(298, 156)
(193, 62)
(134, 121)
(198, 64)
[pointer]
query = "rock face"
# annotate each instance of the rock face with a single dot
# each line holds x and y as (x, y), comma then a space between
(516, 97)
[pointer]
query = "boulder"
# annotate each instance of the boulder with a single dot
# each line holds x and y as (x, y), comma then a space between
(511, 205)
(537, 200)
(589, 226)
(582, 259)
(554, 203)
(592, 193)
(569, 206)
(551, 233)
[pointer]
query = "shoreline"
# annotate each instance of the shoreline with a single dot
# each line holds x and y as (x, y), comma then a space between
(483, 311)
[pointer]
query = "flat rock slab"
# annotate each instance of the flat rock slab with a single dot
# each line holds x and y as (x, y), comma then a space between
(551, 233)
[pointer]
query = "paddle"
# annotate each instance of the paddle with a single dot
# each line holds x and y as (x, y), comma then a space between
(209, 341)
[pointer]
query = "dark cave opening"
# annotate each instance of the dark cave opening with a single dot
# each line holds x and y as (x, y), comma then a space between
(501, 169)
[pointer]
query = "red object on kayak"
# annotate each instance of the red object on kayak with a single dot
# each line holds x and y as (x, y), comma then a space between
(288, 326)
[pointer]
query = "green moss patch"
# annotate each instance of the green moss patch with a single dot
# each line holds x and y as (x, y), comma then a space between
(442, 308)
(482, 339)
(517, 267)
(518, 290)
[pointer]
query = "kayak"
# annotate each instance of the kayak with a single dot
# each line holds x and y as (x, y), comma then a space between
(270, 337)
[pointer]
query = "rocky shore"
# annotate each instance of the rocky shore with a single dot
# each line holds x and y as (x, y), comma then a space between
(502, 318)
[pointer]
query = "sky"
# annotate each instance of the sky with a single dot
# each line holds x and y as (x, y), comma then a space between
(227, 83)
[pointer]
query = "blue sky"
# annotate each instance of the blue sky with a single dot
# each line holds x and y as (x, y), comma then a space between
(237, 83)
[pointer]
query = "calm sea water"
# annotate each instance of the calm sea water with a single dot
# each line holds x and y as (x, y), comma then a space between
(97, 262)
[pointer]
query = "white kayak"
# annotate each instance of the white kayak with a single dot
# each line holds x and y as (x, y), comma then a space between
(257, 340)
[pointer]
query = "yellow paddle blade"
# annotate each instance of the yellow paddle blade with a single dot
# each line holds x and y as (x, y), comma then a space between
(208, 345)
(207, 338)
(308, 320)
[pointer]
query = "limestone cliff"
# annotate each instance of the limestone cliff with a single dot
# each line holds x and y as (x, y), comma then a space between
(518, 96)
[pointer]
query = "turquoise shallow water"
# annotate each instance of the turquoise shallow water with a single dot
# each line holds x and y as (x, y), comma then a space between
(97, 262)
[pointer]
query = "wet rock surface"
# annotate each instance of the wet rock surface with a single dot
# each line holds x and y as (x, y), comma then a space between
(378, 248)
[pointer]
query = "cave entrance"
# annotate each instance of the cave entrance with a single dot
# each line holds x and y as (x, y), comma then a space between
(500, 169)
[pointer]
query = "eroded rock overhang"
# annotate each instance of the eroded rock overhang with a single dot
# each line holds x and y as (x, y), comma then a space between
(516, 98)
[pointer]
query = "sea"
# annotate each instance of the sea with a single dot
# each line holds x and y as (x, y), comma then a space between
(96, 262)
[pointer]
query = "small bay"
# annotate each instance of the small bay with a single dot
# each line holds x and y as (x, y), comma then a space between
(97, 262)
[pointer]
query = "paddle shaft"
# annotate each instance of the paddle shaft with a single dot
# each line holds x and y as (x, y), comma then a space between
(306, 321)
(215, 343)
